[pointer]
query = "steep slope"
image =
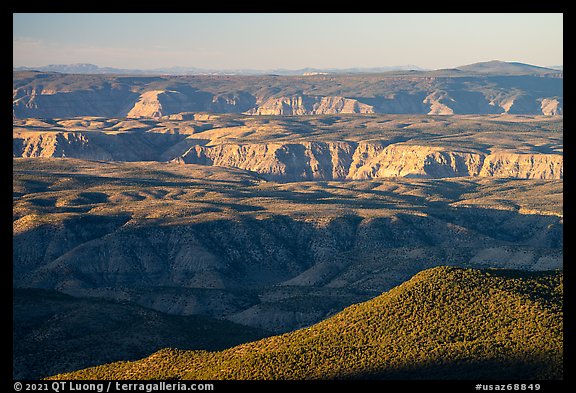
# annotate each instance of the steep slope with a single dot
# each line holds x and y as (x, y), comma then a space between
(290, 161)
(54, 333)
(343, 160)
(552, 106)
(191, 239)
(444, 323)
(53, 95)
(94, 145)
(525, 166)
(400, 160)
(148, 105)
(158, 103)
(285, 152)
(308, 105)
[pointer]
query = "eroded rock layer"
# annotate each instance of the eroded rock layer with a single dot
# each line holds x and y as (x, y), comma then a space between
(297, 161)
(50, 95)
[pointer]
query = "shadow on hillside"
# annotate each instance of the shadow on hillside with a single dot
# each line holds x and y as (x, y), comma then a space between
(265, 251)
(533, 367)
(55, 333)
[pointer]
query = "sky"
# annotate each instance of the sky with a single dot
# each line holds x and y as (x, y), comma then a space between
(287, 41)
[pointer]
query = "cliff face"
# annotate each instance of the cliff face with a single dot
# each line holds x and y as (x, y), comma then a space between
(368, 160)
(93, 145)
(59, 95)
(552, 106)
(148, 105)
(295, 161)
(60, 144)
(524, 166)
(158, 103)
(413, 161)
(291, 161)
(304, 105)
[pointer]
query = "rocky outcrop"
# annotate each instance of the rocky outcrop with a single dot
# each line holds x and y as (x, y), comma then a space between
(439, 103)
(93, 145)
(306, 105)
(290, 161)
(148, 105)
(370, 160)
(335, 104)
(523, 166)
(413, 161)
(552, 106)
(59, 144)
(294, 161)
(283, 106)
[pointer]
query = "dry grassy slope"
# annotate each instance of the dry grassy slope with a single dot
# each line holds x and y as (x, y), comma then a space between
(321, 148)
(444, 323)
(51, 95)
(193, 239)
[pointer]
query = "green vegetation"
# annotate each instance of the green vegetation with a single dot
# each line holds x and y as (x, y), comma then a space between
(444, 323)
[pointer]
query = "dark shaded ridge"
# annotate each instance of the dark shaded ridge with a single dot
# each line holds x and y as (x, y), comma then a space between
(517, 368)
(55, 333)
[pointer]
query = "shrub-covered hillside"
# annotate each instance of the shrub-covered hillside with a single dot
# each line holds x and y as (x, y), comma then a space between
(444, 323)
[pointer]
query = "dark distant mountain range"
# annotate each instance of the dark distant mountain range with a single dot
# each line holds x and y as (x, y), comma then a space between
(83, 68)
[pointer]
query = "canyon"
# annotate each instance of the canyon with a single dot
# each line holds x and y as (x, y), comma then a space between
(223, 242)
(402, 146)
(180, 208)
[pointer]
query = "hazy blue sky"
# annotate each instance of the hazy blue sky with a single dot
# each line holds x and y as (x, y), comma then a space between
(265, 41)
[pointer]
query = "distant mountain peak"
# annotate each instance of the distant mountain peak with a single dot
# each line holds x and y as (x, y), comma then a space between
(506, 68)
